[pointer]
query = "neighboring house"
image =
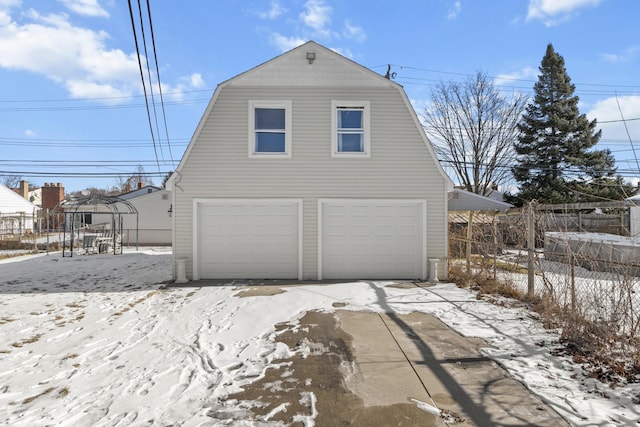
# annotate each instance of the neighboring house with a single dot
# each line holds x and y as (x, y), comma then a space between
(17, 215)
(483, 212)
(32, 194)
(309, 166)
(154, 217)
(139, 192)
(35, 196)
(152, 221)
(52, 197)
(465, 201)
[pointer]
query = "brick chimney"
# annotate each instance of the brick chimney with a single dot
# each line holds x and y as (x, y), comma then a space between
(52, 194)
(23, 190)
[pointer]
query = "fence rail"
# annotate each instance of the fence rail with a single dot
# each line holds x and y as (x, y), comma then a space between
(590, 276)
(17, 224)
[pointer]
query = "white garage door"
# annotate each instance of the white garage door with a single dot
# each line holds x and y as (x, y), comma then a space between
(248, 239)
(372, 238)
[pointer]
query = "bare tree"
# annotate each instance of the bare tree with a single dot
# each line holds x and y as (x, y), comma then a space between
(90, 191)
(139, 179)
(11, 181)
(473, 127)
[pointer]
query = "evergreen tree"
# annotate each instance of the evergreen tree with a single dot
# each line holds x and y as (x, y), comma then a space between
(555, 163)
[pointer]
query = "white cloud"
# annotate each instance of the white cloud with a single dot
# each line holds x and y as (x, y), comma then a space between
(7, 4)
(75, 57)
(85, 7)
(317, 15)
(5, 7)
(316, 22)
(185, 84)
(274, 11)
(354, 32)
(553, 12)
(419, 106)
(285, 43)
(29, 133)
(196, 81)
(455, 10)
(527, 73)
(625, 56)
(607, 110)
(609, 119)
(91, 89)
(343, 51)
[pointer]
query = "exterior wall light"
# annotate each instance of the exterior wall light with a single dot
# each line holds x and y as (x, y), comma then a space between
(311, 56)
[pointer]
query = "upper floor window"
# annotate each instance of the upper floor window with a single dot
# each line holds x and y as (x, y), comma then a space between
(270, 129)
(350, 129)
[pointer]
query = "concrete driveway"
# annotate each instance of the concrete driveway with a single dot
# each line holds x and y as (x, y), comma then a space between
(386, 369)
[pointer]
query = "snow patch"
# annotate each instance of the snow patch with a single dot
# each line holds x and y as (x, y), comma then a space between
(426, 407)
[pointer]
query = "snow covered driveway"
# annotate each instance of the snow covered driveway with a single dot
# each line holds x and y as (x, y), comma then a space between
(99, 340)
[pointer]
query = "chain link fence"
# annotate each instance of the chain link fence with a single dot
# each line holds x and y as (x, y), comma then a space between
(17, 224)
(587, 279)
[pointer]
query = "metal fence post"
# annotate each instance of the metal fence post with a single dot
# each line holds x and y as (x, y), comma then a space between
(531, 247)
(469, 237)
(573, 281)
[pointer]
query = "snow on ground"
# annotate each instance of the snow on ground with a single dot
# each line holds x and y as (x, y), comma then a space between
(101, 340)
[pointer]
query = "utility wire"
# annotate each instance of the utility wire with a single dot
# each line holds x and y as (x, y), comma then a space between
(146, 55)
(155, 57)
(567, 171)
(635, 156)
(623, 120)
(101, 98)
(81, 174)
(94, 107)
(144, 88)
(402, 67)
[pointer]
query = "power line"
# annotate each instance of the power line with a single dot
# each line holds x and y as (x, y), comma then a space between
(623, 120)
(146, 55)
(401, 67)
(627, 173)
(102, 98)
(144, 87)
(635, 156)
(155, 56)
(87, 140)
(417, 81)
(82, 174)
(80, 163)
(95, 107)
(88, 144)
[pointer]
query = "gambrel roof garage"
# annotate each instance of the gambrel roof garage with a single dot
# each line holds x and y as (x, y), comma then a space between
(309, 166)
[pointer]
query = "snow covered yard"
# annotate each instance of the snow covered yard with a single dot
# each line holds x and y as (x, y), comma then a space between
(102, 340)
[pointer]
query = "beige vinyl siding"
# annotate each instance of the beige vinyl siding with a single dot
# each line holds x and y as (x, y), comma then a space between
(400, 165)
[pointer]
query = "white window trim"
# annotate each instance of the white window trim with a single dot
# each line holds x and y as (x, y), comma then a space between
(366, 128)
(287, 105)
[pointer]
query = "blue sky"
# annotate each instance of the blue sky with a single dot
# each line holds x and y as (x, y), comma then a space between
(70, 87)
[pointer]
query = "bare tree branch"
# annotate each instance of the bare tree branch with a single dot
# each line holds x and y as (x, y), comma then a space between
(472, 127)
(11, 181)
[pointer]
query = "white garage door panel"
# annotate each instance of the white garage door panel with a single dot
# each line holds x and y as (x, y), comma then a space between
(381, 239)
(248, 239)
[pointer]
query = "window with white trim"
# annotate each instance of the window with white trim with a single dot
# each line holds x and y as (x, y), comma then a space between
(350, 129)
(270, 129)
